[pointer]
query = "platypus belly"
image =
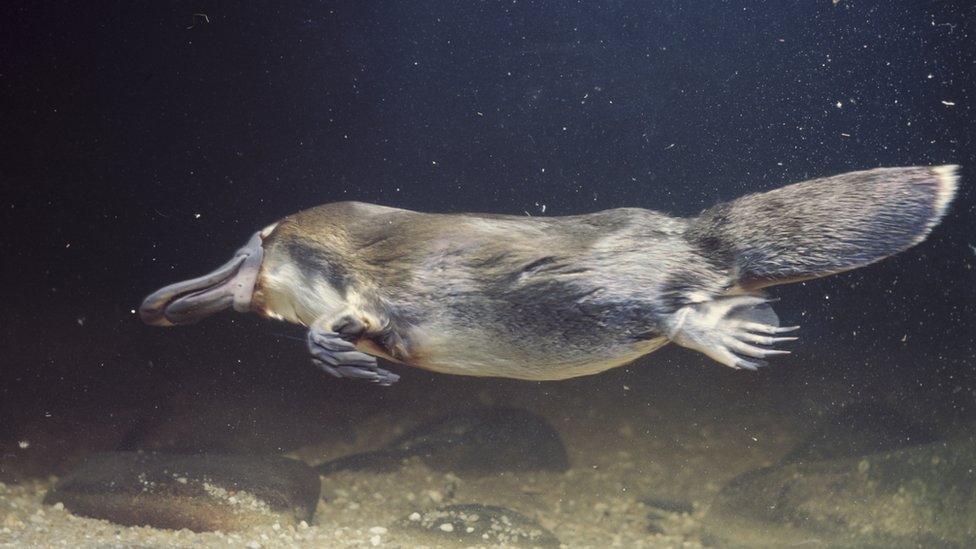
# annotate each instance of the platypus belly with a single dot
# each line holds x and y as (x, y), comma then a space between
(559, 297)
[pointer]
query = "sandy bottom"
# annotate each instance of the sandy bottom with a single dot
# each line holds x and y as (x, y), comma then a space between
(646, 444)
(624, 450)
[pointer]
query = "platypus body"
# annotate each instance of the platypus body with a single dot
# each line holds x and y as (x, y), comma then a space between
(546, 298)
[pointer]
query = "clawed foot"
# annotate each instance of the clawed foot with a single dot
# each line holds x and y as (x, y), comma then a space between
(341, 358)
(752, 339)
(737, 331)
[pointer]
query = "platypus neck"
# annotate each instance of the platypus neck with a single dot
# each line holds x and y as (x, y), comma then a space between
(285, 291)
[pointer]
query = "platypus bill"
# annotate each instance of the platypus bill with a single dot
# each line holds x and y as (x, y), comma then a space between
(557, 297)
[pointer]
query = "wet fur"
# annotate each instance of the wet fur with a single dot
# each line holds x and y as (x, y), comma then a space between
(558, 297)
(498, 295)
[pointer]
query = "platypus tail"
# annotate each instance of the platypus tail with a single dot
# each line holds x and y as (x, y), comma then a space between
(824, 226)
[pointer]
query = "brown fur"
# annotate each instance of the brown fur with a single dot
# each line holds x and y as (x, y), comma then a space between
(545, 298)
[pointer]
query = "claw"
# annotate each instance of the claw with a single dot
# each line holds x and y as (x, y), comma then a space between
(767, 328)
(751, 365)
(377, 375)
(736, 330)
(762, 340)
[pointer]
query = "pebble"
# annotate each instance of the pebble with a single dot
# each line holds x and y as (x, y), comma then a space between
(475, 524)
(475, 442)
(877, 500)
(226, 492)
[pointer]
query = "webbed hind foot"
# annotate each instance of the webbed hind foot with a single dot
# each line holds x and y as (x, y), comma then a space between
(738, 331)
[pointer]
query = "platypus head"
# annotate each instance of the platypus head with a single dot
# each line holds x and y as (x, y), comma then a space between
(230, 285)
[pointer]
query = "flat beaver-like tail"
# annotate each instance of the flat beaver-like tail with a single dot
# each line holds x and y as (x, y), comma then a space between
(824, 226)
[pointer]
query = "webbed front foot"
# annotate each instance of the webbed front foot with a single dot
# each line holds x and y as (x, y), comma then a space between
(737, 331)
(340, 358)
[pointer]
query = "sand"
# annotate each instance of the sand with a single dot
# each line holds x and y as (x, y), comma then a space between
(625, 449)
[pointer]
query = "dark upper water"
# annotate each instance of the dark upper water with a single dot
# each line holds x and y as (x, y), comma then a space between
(142, 143)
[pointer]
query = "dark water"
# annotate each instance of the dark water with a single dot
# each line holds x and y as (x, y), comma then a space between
(141, 143)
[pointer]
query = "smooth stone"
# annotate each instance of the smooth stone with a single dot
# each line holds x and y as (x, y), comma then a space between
(472, 524)
(669, 505)
(202, 492)
(922, 496)
(859, 430)
(479, 442)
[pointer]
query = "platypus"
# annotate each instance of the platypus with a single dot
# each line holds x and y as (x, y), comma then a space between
(545, 298)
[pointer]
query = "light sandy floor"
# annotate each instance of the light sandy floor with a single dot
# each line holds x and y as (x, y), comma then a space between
(653, 432)
(626, 442)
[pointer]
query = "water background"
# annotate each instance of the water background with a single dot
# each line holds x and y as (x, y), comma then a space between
(142, 143)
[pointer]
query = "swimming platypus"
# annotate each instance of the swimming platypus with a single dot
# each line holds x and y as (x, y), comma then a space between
(547, 298)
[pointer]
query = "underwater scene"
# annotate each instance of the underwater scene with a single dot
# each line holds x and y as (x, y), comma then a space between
(509, 273)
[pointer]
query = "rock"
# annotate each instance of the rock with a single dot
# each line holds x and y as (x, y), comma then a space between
(669, 505)
(479, 442)
(661, 510)
(922, 496)
(859, 430)
(475, 525)
(203, 492)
